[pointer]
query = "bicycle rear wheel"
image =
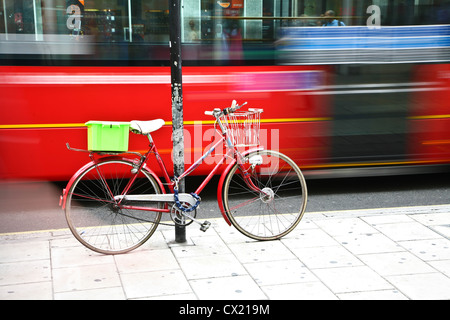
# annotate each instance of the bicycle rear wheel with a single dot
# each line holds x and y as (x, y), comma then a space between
(95, 218)
(278, 208)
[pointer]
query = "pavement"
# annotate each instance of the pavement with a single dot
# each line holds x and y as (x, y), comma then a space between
(390, 254)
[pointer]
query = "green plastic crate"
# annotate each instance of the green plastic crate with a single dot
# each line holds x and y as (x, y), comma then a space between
(108, 136)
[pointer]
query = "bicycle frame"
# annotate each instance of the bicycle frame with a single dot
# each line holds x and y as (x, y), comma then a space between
(173, 183)
(232, 153)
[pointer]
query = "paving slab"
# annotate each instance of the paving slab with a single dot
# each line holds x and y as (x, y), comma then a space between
(390, 254)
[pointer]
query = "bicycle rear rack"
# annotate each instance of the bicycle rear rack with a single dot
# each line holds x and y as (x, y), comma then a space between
(103, 152)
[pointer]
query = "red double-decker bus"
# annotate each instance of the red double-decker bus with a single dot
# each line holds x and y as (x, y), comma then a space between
(342, 100)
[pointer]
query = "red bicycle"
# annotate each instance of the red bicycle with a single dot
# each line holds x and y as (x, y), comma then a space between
(114, 203)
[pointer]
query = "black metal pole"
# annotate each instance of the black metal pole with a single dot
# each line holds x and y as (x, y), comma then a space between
(177, 101)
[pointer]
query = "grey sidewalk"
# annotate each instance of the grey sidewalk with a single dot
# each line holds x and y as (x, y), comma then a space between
(400, 253)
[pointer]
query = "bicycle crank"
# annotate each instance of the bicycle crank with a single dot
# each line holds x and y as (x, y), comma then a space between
(179, 217)
(203, 225)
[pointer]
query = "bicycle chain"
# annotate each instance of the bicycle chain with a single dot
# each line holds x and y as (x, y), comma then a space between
(181, 207)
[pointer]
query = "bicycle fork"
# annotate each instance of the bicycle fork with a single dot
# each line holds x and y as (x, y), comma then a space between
(254, 161)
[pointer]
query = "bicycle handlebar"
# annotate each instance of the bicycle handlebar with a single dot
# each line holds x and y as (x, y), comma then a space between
(217, 112)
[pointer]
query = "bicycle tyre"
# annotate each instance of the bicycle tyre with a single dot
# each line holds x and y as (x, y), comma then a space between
(274, 213)
(97, 221)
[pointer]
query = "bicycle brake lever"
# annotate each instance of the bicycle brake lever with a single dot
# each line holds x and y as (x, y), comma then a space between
(238, 107)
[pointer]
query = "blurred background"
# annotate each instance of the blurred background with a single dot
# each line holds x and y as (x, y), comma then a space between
(367, 96)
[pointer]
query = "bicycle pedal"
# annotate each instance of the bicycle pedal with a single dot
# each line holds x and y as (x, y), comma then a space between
(205, 226)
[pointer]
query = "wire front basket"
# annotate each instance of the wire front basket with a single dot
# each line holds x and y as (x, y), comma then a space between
(243, 127)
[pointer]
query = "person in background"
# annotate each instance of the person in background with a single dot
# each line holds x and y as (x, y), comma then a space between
(331, 21)
(193, 34)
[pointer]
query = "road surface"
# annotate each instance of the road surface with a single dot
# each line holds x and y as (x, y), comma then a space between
(34, 206)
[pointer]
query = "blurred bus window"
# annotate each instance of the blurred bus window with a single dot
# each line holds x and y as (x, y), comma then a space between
(136, 32)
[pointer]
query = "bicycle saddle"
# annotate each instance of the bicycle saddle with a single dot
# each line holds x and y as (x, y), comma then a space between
(145, 127)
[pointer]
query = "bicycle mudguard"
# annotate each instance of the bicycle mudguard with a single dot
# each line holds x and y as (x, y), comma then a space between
(63, 197)
(222, 179)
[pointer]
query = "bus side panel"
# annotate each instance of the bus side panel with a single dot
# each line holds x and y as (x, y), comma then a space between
(47, 107)
(430, 115)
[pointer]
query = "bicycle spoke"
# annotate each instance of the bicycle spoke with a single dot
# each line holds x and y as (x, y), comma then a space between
(277, 208)
(98, 221)
(248, 202)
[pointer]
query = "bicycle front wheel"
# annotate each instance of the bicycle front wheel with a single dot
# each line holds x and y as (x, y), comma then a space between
(277, 208)
(95, 217)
